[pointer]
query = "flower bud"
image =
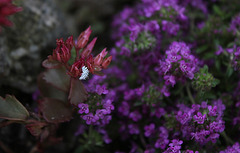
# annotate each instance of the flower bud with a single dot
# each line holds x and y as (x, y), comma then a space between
(69, 43)
(103, 53)
(99, 58)
(83, 38)
(76, 69)
(106, 62)
(87, 51)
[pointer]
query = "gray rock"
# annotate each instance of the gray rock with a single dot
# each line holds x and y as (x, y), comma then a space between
(21, 46)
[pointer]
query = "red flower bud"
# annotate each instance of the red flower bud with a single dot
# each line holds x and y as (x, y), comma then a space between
(62, 53)
(83, 38)
(103, 53)
(87, 51)
(76, 68)
(106, 62)
(69, 43)
(99, 58)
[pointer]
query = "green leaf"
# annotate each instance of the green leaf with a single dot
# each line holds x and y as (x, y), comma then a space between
(12, 109)
(201, 49)
(55, 111)
(215, 82)
(229, 71)
(217, 10)
(78, 93)
(58, 78)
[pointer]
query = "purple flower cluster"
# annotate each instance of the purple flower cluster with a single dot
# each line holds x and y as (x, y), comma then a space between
(174, 147)
(232, 149)
(203, 123)
(99, 111)
(178, 64)
(234, 55)
(235, 24)
(149, 18)
(146, 115)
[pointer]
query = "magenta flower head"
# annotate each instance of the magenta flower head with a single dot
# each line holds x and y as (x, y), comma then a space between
(90, 119)
(149, 129)
(83, 108)
(199, 118)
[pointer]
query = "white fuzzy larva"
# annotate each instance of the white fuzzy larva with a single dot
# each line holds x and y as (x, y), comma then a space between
(85, 73)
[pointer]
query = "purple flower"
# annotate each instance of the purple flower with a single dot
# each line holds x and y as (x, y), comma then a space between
(170, 27)
(90, 119)
(169, 79)
(135, 30)
(176, 143)
(83, 108)
(204, 105)
(135, 116)
(149, 129)
(140, 91)
(184, 66)
(106, 139)
(200, 136)
(101, 90)
(174, 147)
(159, 112)
(106, 119)
(100, 113)
(219, 51)
(124, 108)
(217, 126)
(173, 57)
(232, 149)
(183, 118)
(161, 143)
(196, 107)
(152, 26)
(165, 91)
(108, 106)
(212, 110)
(133, 129)
(199, 118)
(213, 137)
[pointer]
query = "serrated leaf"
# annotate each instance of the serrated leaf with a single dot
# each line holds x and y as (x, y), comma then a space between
(12, 109)
(78, 93)
(47, 90)
(55, 111)
(58, 78)
(50, 64)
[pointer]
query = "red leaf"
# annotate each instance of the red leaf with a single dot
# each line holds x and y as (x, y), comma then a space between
(47, 90)
(12, 109)
(35, 128)
(78, 93)
(54, 110)
(50, 64)
(58, 78)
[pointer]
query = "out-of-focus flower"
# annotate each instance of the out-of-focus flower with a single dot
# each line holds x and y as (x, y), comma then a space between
(6, 9)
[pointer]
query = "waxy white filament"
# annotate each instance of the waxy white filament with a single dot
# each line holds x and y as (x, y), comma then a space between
(85, 73)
